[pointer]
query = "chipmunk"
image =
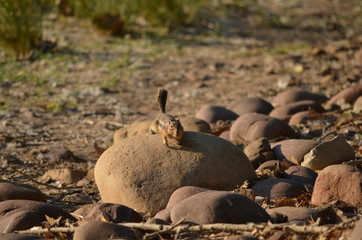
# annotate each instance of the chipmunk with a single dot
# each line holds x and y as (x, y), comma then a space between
(166, 124)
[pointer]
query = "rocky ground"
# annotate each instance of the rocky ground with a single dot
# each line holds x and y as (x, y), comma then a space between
(54, 109)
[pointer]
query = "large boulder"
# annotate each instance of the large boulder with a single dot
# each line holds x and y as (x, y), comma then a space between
(142, 173)
(218, 207)
(338, 182)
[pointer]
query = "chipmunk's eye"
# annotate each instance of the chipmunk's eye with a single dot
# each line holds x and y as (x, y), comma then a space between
(171, 126)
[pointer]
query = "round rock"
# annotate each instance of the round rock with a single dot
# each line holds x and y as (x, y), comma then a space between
(338, 182)
(25, 214)
(285, 112)
(348, 95)
(12, 190)
(293, 150)
(251, 126)
(302, 175)
(299, 118)
(250, 105)
(183, 193)
(96, 230)
(112, 212)
(195, 124)
(278, 188)
(131, 130)
(212, 114)
(218, 207)
(258, 152)
(293, 215)
(142, 173)
(295, 95)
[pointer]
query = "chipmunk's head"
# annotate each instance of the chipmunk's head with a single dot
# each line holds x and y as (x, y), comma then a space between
(175, 128)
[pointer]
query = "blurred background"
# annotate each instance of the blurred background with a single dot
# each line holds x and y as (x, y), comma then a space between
(27, 26)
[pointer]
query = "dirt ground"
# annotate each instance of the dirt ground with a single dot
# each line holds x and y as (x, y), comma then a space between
(54, 108)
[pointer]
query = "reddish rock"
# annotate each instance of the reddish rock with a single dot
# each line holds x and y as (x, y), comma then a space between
(212, 114)
(299, 118)
(302, 175)
(295, 95)
(12, 190)
(338, 182)
(25, 214)
(112, 212)
(182, 193)
(250, 105)
(251, 126)
(164, 215)
(285, 112)
(293, 150)
(96, 230)
(218, 207)
(278, 188)
(225, 135)
(348, 95)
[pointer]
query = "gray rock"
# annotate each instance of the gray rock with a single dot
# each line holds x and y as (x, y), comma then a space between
(278, 188)
(293, 215)
(302, 175)
(218, 207)
(250, 105)
(142, 173)
(212, 114)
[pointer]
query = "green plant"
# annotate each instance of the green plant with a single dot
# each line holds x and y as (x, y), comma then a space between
(21, 25)
(159, 13)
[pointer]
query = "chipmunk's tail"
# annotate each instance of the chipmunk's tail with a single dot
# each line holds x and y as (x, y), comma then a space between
(162, 99)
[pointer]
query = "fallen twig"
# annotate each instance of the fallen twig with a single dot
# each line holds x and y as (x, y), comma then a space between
(217, 227)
